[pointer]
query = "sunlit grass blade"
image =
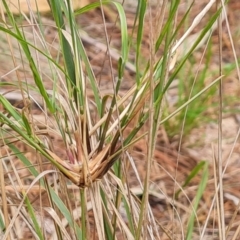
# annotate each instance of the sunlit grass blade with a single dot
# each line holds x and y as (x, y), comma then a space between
(206, 29)
(190, 100)
(67, 53)
(124, 33)
(9, 108)
(91, 6)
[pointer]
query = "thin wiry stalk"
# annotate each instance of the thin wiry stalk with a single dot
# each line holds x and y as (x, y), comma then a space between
(94, 146)
(221, 215)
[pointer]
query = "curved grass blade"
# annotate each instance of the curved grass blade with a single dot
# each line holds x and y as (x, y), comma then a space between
(192, 174)
(90, 7)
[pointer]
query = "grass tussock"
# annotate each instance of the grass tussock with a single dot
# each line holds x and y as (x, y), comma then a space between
(82, 113)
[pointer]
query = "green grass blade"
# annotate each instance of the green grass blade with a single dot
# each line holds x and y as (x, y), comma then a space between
(80, 55)
(129, 217)
(65, 46)
(107, 224)
(158, 91)
(192, 174)
(10, 109)
(26, 124)
(190, 100)
(2, 225)
(24, 160)
(90, 7)
(166, 27)
(200, 191)
(20, 39)
(124, 42)
(66, 213)
(33, 67)
(142, 5)
(56, 199)
(203, 33)
(183, 20)
(33, 217)
(33, 141)
(124, 35)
